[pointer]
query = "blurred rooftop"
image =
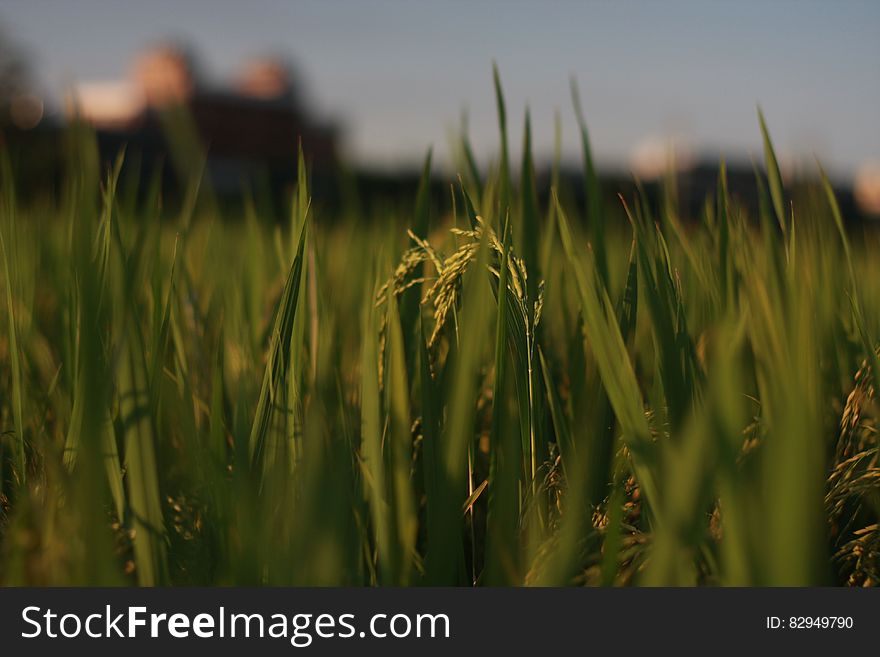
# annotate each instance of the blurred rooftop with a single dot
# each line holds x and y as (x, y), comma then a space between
(249, 126)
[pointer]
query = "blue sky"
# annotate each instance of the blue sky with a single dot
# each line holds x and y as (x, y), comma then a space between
(398, 74)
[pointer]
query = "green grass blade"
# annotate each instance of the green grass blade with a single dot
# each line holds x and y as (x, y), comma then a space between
(504, 173)
(612, 359)
(592, 189)
(14, 357)
(278, 362)
(528, 231)
(773, 176)
(399, 451)
(502, 554)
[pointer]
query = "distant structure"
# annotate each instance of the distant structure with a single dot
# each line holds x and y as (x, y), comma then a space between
(867, 189)
(250, 128)
(21, 107)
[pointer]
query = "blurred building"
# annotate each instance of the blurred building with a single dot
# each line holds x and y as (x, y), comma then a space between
(249, 128)
(867, 189)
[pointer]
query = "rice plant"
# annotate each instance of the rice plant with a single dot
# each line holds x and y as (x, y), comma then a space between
(502, 392)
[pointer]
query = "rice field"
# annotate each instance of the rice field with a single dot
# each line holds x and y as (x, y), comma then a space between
(500, 391)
